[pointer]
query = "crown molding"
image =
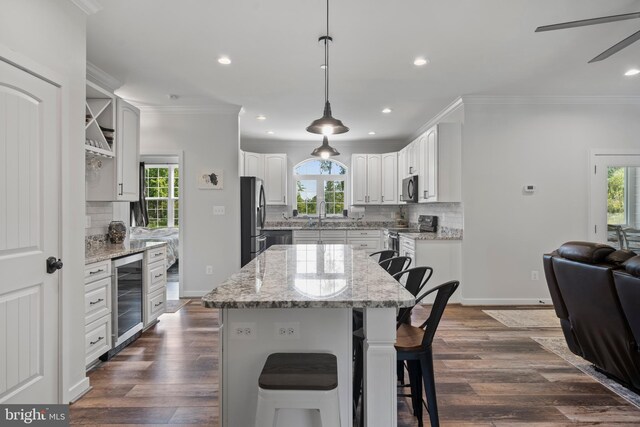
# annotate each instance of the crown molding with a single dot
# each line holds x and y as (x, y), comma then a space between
(550, 100)
(101, 78)
(190, 109)
(454, 106)
(89, 7)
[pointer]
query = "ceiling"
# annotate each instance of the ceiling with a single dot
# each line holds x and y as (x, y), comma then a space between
(484, 47)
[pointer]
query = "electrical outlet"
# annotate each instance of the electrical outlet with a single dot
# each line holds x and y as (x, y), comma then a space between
(87, 221)
(535, 275)
(243, 330)
(218, 210)
(208, 270)
(287, 330)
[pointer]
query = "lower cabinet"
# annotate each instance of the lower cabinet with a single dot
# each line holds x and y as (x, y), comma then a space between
(154, 285)
(444, 256)
(97, 310)
(369, 240)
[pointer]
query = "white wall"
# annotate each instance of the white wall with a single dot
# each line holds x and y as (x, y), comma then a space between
(208, 140)
(53, 35)
(547, 145)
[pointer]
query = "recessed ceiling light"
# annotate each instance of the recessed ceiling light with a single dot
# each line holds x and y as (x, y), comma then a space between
(419, 62)
(632, 72)
(372, 133)
(270, 132)
(386, 110)
(224, 60)
(261, 117)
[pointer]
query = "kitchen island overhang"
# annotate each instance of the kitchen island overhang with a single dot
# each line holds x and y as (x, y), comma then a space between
(299, 298)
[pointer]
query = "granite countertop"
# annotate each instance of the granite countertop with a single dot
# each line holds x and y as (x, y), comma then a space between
(330, 224)
(323, 228)
(310, 276)
(109, 250)
(430, 236)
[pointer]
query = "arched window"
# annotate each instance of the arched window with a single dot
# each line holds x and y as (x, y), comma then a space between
(317, 181)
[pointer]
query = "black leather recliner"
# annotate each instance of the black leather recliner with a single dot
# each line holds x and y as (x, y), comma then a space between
(595, 291)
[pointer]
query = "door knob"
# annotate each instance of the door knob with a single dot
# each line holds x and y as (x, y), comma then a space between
(53, 265)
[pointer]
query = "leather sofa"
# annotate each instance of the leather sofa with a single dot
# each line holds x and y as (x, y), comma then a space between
(595, 291)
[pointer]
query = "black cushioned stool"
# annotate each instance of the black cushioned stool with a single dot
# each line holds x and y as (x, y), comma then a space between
(298, 381)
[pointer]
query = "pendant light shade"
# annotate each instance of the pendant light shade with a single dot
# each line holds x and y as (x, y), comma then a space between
(325, 150)
(327, 124)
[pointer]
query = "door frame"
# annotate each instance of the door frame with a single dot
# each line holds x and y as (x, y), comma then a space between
(631, 156)
(181, 184)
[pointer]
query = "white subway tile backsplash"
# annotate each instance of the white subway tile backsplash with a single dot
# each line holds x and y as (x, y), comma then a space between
(101, 214)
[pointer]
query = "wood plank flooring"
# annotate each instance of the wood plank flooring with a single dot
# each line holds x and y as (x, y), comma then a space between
(486, 375)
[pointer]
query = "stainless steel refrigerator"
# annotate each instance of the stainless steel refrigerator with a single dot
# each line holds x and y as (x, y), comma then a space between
(252, 216)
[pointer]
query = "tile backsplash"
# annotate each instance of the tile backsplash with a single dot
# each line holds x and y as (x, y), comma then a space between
(101, 214)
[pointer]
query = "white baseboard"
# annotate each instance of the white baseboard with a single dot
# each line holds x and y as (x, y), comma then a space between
(79, 390)
(194, 294)
(506, 301)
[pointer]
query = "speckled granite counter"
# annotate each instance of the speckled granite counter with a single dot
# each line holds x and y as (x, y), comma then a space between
(430, 236)
(330, 224)
(310, 276)
(109, 251)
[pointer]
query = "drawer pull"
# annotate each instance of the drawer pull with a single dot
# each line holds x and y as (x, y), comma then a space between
(158, 254)
(363, 245)
(158, 275)
(157, 304)
(96, 301)
(97, 271)
(96, 341)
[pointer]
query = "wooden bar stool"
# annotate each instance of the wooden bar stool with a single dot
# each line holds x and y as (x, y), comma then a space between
(298, 381)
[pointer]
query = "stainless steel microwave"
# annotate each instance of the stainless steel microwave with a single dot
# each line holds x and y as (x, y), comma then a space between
(410, 189)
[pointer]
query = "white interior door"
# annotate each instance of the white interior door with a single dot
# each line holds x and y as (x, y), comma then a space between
(601, 211)
(29, 227)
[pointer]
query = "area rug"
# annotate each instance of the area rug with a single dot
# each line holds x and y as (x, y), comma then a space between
(173, 305)
(541, 318)
(558, 346)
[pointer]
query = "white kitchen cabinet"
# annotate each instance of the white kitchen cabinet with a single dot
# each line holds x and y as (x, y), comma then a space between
(154, 285)
(440, 164)
(128, 149)
(241, 163)
(272, 168)
(97, 310)
(402, 167)
(254, 165)
(413, 155)
(275, 178)
(112, 171)
(366, 179)
(389, 178)
(368, 240)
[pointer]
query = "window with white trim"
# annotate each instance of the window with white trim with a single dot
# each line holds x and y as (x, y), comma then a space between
(161, 195)
(317, 181)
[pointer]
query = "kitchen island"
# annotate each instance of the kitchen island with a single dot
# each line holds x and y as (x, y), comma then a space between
(299, 298)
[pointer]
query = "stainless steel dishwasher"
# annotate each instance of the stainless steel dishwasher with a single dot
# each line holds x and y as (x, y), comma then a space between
(278, 237)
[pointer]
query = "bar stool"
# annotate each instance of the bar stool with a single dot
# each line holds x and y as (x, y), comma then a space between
(298, 381)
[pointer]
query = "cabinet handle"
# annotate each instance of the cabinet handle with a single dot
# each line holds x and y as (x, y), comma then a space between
(402, 198)
(157, 254)
(284, 199)
(426, 194)
(410, 169)
(97, 271)
(157, 304)
(96, 341)
(382, 199)
(158, 275)
(96, 301)
(121, 189)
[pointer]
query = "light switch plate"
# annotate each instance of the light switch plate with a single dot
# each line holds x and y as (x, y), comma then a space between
(87, 221)
(218, 210)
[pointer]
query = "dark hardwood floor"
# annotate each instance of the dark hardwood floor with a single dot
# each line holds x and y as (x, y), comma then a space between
(486, 375)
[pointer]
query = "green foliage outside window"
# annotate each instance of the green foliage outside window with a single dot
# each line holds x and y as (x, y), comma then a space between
(616, 195)
(161, 194)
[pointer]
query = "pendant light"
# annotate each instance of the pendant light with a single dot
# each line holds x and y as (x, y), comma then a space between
(325, 150)
(327, 124)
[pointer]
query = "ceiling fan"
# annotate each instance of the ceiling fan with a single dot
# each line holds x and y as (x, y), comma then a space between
(603, 20)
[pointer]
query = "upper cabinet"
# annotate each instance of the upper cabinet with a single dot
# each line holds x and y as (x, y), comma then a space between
(440, 164)
(128, 148)
(272, 168)
(275, 178)
(374, 179)
(389, 178)
(112, 144)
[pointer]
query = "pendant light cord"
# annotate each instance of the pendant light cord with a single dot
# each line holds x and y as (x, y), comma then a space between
(326, 60)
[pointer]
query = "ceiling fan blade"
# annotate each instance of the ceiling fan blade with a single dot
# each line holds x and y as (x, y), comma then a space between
(617, 47)
(584, 22)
